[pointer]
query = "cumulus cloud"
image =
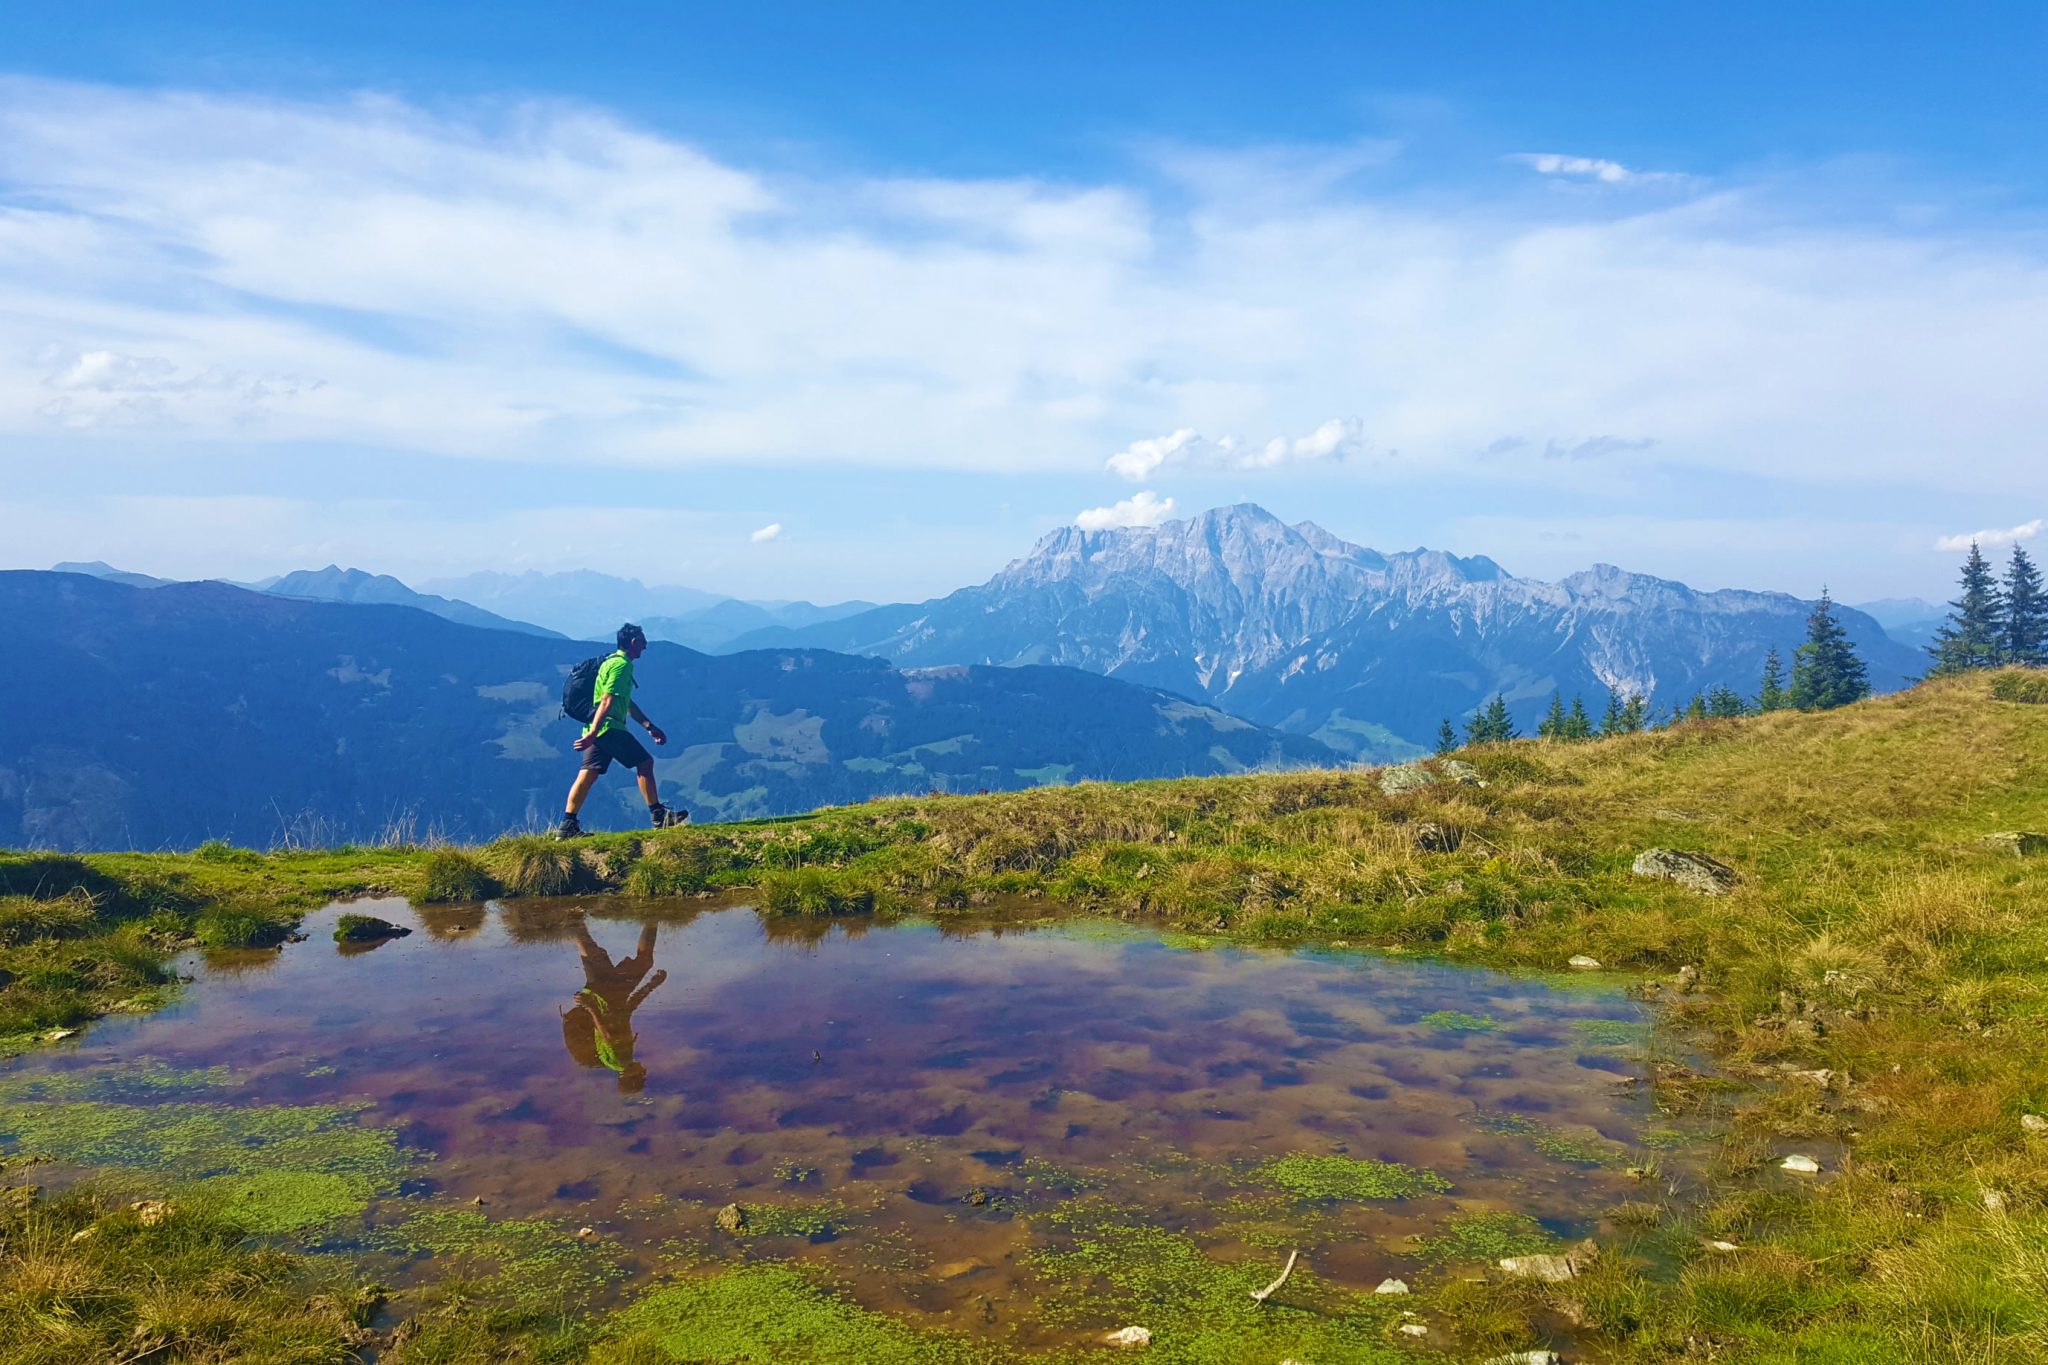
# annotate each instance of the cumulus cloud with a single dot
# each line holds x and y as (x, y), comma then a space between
(1985, 539)
(1583, 167)
(546, 282)
(772, 531)
(1140, 509)
(1187, 448)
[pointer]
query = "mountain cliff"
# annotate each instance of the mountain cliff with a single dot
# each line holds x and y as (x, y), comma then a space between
(159, 717)
(1293, 627)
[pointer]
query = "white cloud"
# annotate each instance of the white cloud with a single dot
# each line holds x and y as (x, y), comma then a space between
(1335, 439)
(1583, 167)
(1141, 509)
(1987, 539)
(200, 275)
(772, 531)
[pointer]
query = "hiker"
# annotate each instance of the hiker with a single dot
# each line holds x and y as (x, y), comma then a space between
(598, 1028)
(606, 737)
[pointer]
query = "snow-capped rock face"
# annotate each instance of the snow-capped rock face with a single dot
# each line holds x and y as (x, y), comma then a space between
(1294, 627)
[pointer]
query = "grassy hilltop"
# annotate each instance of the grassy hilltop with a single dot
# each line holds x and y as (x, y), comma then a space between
(1872, 934)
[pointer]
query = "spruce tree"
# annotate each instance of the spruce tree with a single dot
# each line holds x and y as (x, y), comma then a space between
(1725, 703)
(2026, 612)
(1500, 726)
(1696, 709)
(1635, 714)
(1611, 720)
(1773, 697)
(1826, 672)
(1553, 722)
(1973, 635)
(1446, 738)
(1578, 725)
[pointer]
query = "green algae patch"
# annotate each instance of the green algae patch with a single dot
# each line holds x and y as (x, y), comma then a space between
(1611, 1033)
(1109, 1272)
(1457, 1021)
(1557, 1145)
(280, 1201)
(144, 1079)
(528, 1261)
(1484, 1237)
(1341, 1177)
(771, 1313)
(815, 1221)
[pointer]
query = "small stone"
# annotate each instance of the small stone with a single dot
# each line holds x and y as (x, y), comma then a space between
(976, 1197)
(1713, 1244)
(1527, 1358)
(1994, 1201)
(586, 1234)
(2033, 1123)
(1693, 871)
(82, 1234)
(1461, 772)
(2016, 843)
(58, 1035)
(1414, 1329)
(478, 1201)
(732, 1219)
(152, 1211)
(1431, 837)
(1407, 777)
(1800, 1165)
(1391, 1287)
(1542, 1266)
(1581, 963)
(1129, 1336)
(1688, 978)
(1820, 1077)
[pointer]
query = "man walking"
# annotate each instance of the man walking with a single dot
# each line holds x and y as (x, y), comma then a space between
(606, 738)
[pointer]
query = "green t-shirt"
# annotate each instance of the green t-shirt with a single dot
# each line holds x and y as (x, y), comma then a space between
(615, 679)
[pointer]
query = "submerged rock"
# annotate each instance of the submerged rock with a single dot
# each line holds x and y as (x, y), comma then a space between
(366, 929)
(732, 1219)
(2018, 843)
(1693, 871)
(1129, 1336)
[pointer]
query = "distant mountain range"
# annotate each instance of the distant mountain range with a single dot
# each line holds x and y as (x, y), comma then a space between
(590, 606)
(1291, 627)
(145, 717)
(1909, 620)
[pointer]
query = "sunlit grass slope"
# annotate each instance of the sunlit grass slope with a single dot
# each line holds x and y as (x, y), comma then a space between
(1872, 934)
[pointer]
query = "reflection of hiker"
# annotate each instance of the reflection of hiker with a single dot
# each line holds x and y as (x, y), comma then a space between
(598, 1028)
(605, 737)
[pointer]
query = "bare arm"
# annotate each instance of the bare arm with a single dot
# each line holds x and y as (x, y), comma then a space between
(604, 708)
(654, 732)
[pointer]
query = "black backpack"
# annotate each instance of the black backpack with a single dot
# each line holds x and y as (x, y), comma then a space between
(579, 690)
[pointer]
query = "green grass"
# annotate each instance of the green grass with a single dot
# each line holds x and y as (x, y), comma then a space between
(2021, 685)
(1870, 934)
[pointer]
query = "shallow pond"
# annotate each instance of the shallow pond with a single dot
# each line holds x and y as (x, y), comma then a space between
(1027, 1134)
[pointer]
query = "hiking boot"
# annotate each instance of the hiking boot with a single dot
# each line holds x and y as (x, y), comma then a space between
(664, 818)
(571, 828)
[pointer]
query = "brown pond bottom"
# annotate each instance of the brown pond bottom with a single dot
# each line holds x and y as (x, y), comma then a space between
(912, 1105)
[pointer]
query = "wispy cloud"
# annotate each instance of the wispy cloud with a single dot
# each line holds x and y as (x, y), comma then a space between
(2009, 536)
(1585, 168)
(1140, 509)
(1187, 448)
(772, 531)
(206, 274)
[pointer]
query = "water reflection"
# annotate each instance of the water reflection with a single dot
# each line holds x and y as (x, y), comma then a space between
(597, 1028)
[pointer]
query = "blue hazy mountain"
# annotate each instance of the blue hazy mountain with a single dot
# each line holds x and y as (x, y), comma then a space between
(161, 717)
(1291, 627)
(335, 584)
(1911, 621)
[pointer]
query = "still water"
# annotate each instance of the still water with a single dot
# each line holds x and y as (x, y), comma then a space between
(905, 1102)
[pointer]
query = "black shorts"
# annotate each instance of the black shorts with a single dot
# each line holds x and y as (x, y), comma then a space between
(616, 744)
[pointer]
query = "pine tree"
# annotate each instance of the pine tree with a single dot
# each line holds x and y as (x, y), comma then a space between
(1826, 672)
(1578, 725)
(1696, 709)
(1492, 724)
(2026, 612)
(1973, 635)
(1446, 738)
(1553, 722)
(1773, 697)
(1635, 714)
(1611, 719)
(1725, 703)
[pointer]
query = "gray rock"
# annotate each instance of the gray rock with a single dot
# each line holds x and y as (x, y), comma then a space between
(1431, 837)
(1693, 871)
(1407, 777)
(1461, 772)
(2016, 843)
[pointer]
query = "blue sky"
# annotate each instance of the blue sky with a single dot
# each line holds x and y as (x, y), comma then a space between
(1734, 295)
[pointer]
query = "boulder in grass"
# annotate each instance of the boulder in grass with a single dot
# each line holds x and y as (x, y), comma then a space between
(366, 929)
(1693, 871)
(2017, 843)
(1407, 777)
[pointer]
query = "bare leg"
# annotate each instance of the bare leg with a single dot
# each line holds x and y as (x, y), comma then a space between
(646, 771)
(580, 788)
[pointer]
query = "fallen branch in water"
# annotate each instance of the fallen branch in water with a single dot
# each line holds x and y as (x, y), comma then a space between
(1261, 1295)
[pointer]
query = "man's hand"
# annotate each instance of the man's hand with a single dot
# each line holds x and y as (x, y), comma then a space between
(582, 742)
(656, 733)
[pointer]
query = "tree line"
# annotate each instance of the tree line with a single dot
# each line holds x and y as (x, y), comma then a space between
(1994, 624)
